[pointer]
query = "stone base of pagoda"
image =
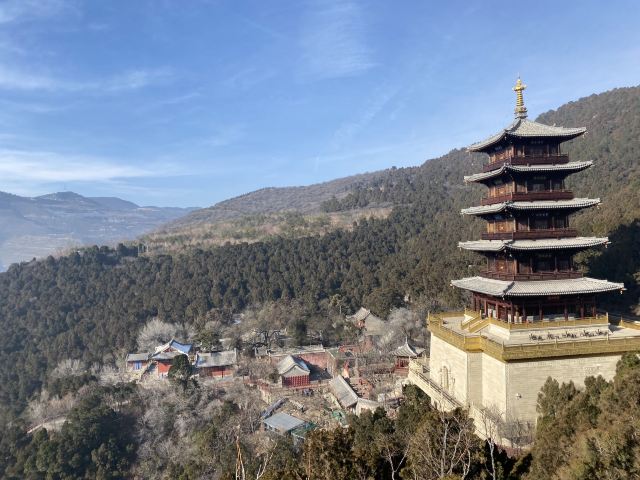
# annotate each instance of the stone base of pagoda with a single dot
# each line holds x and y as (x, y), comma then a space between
(497, 368)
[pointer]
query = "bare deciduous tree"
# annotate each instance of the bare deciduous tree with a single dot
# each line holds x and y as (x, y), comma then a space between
(493, 425)
(156, 332)
(68, 368)
(443, 445)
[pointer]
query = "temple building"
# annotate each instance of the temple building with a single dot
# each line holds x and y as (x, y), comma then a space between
(533, 315)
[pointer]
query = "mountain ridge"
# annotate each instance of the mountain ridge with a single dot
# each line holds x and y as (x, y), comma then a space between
(42, 225)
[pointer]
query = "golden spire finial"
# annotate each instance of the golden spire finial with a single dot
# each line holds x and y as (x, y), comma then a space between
(521, 110)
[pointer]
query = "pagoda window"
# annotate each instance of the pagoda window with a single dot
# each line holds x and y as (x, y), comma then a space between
(540, 221)
(524, 267)
(560, 222)
(535, 150)
(543, 263)
(539, 183)
(564, 264)
(523, 224)
(558, 184)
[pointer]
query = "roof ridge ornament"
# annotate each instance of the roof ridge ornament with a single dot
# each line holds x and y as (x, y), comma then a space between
(520, 110)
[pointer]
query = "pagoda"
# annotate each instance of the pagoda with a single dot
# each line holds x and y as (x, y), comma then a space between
(534, 314)
(529, 244)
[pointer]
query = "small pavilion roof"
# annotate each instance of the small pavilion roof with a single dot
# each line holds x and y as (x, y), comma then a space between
(407, 350)
(502, 288)
(291, 365)
(570, 167)
(522, 128)
(523, 245)
(575, 203)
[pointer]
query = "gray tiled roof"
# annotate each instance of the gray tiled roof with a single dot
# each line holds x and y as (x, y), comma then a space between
(360, 315)
(216, 359)
(523, 128)
(544, 244)
(407, 350)
(343, 392)
(555, 167)
(166, 355)
(536, 205)
(138, 357)
(502, 288)
(283, 422)
(175, 345)
(292, 364)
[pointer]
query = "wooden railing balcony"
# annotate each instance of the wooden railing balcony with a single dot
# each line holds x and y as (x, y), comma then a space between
(529, 196)
(560, 275)
(575, 322)
(531, 234)
(528, 160)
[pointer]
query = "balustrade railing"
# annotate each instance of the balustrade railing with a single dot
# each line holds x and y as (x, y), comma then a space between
(559, 275)
(531, 234)
(558, 348)
(528, 160)
(528, 196)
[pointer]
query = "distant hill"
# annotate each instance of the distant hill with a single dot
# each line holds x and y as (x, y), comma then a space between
(264, 213)
(40, 226)
(305, 199)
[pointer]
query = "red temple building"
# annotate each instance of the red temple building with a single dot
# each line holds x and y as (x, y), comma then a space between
(293, 371)
(529, 243)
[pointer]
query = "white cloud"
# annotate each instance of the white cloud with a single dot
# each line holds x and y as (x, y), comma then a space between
(12, 78)
(333, 41)
(23, 167)
(12, 11)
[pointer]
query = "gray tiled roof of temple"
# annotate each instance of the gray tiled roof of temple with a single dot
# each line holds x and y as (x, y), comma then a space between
(575, 203)
(505, 288)
(543, 244)
(523, 128)
(571, 167)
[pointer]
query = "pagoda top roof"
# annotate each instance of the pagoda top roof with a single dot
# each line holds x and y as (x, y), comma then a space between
(521, 128)
(575, 203)
(504, 288)
(570, 167)
(526, 245)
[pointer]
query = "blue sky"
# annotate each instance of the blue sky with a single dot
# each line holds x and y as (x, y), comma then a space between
(187, 102)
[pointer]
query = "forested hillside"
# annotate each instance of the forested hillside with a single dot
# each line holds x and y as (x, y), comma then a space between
(89, 305)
